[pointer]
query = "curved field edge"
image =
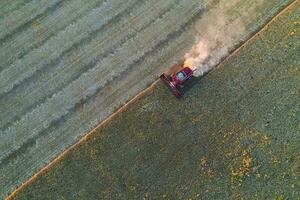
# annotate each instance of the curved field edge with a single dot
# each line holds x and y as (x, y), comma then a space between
(227, 139)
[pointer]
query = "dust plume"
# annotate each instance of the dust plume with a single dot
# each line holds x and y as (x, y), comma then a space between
(219, 31)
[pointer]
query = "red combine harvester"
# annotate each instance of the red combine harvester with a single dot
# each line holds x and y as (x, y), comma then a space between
(175, 81)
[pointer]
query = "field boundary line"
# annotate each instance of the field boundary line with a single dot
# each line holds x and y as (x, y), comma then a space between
(263, 28)
(132, 100)
(83, 138)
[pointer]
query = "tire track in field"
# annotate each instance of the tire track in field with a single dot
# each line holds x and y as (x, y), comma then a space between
(13, 27)
(85, 97)
(21, 43)
(53, 50)
(11, 100)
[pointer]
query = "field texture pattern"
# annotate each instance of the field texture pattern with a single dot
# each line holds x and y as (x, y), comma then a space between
(65, 65)
(236, 135)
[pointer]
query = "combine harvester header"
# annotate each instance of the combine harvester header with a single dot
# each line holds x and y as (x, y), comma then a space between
(176, 80)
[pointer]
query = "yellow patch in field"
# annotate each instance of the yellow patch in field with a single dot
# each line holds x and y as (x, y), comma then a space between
(280, 197)
(244, 167)
(273, 158)
(296, 22)
(93, 153)
(265, 140)
(293, 32)
(205, 169)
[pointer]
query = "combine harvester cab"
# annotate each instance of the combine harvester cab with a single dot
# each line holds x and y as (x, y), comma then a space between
(175, 81)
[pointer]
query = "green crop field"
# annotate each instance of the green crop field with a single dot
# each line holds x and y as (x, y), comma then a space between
(65, 65)
(235, 135)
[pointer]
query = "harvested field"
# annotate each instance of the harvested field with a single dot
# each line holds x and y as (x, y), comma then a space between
(236, 135)
(65, 65)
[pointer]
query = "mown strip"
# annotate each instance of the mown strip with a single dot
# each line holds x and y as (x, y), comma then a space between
(30, 165)
(31, 141)
(64, 100)
(88, 113)
(38, 31)
(227, 139)
(16, 20)
(58, 46)
(109, 42)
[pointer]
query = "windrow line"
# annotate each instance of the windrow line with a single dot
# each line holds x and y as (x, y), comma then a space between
(53, 48)
(91, 81)
(17, 45)
(59, 125)
(26, 14)
(41, 88)
(71, 126)
(79, 123)
(10, 6)
(173, 45)
(75, 62)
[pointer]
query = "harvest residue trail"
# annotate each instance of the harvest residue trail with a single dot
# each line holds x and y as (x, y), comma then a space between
(218, 32)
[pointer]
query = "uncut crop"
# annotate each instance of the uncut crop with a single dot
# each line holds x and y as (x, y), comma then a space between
(66, 65)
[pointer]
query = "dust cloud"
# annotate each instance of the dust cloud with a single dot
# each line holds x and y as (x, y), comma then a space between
(219, 31)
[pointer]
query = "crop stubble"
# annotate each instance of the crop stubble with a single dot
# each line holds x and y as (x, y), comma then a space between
(69, 78)
(230, 138)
